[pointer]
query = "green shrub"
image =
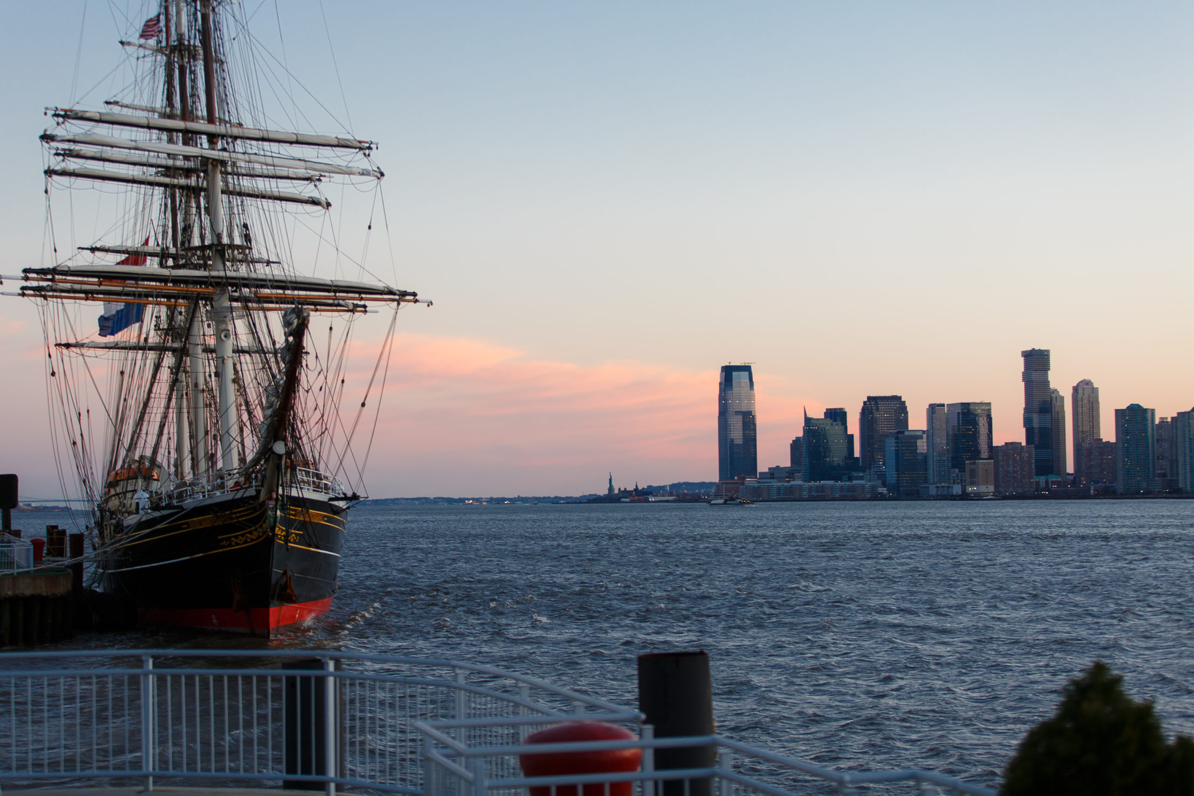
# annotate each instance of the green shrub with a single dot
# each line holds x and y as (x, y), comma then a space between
(1100, 742)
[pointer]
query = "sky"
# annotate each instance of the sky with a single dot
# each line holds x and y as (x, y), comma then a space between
(607, 202)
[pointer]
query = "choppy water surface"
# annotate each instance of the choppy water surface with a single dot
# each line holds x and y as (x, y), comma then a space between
(858, 635)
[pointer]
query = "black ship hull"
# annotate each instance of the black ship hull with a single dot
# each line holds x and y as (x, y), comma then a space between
(230, 562)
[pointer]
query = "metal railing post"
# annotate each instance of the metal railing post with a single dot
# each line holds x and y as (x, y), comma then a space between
(524, 693)
(329, 726)
(460, 705)
(725, 764)
(479, 784)
(648, 735)
(430, 780)
(148, 731)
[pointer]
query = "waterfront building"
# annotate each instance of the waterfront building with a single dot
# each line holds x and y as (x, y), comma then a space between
(1014, 469)
(1135, 448)
(1183, 449)
(796, 454)
(737, 433)
(803, 490)
(1166, 464)
(779, 473)
(880, 416)
(826, 450)
(1098, 463)
(937, 440)
(1084, 407)
(907, 462)
(1057, 402)
(838, 415)
(980, 478)
(970, 433)
(1038, 408)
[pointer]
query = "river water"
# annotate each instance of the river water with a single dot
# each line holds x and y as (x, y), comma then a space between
(858, 635)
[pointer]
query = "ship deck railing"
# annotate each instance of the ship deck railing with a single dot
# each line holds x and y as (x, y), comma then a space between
(343, 722)
(16, 555)
(220, 483)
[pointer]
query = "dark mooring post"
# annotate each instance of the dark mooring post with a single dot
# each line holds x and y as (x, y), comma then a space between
(8, 500)
(77, 549)
(675, 692)
(306, 724)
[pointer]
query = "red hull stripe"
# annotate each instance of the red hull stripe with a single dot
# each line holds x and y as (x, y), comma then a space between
(254, 620)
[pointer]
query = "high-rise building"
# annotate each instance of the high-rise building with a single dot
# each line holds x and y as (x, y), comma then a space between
(880, 416)
(907, 461)
(1084, 407)
(1135, 448)
(1014, 469)
(1166, 455)
(970, 433)
(796, 453)
(838, 415)
(825, 450)
(1038, 408)
(1183, 449)
(937, 439)
(1098, 462)
(1057, 402)
(737, 434)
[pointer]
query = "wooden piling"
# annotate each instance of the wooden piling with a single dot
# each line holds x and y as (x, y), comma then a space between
(35, 607)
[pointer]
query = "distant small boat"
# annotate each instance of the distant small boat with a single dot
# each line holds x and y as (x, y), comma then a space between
(724, 502)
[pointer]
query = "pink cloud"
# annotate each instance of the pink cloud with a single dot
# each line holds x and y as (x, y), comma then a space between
(470, 417)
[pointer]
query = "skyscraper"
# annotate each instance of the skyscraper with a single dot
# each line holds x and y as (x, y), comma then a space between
(970, 434)
(906, 459)
(880, 416)
(825, 450)
(1135, 448)
(1084, 406)
(937, 439)
(737, 435)
(838, 415)
(1166, 452)
(1057, 402)
(1183, 446)
(1038, 408)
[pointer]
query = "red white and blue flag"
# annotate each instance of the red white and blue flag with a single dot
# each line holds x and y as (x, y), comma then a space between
(118, 317)
(152, 28)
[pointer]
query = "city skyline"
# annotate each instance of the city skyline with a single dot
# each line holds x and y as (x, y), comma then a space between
(574, 187)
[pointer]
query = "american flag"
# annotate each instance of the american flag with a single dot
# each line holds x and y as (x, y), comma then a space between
(152, 28)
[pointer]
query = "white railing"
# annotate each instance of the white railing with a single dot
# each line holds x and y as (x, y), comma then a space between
(315, 480)
(479, 757)
(327, 721)
(15, 554)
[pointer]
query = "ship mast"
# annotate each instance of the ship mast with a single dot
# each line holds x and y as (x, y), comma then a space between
(221, 312)
(206, 365)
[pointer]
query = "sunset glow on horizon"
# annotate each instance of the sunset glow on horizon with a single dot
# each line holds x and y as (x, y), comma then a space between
(608, 203)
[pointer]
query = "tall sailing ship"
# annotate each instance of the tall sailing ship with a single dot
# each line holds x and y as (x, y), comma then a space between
(202, 415)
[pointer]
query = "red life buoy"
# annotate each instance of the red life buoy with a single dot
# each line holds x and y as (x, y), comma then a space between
(549, 764)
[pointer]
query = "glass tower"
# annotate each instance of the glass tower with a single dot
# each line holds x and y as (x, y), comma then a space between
(1057, 402)
(1135, 448)
(826, 450)
(880, 417)
(937, 430)
(970, 436)
(1084, 406)
(737, 436)
(1038, 408)
(906, 456)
